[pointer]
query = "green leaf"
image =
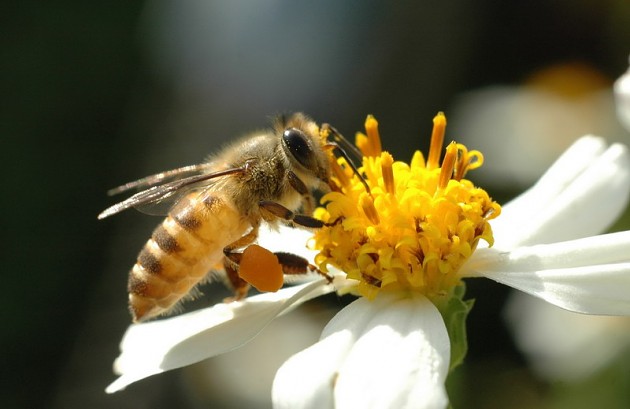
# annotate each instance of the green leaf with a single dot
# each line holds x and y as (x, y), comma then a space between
(454, 312)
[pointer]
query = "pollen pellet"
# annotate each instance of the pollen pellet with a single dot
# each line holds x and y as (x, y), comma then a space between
(261, 268)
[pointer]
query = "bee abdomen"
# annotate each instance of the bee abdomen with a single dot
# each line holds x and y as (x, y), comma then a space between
(179, 254)
(171, 263)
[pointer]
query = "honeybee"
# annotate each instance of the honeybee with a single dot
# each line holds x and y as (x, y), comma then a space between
(219, 206)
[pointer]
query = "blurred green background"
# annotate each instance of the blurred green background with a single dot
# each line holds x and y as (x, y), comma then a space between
(94, 95)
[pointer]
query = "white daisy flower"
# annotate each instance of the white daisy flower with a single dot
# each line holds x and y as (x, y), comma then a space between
(622, 98)
(405, 247)
(540, 332)
(542, 246)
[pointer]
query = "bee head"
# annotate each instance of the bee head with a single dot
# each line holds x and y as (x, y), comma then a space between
(301, 143)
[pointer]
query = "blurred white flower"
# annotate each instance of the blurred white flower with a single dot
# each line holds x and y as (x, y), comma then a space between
(522, 129)
(562, 345)
(541, 331)
(622, 98)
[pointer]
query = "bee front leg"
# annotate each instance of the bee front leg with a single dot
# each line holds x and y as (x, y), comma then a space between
(277, 210)
(299, 186)
(292, 263)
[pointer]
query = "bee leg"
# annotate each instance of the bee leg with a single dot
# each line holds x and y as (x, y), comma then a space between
(292, 264)
(288, 263)
(239, 286)
(231, 262)
(277, 210)
(297, 184)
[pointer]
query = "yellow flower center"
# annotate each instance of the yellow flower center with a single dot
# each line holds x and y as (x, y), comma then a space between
(417, 224)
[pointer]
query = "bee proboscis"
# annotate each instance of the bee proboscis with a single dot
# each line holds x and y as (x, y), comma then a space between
(219, 206)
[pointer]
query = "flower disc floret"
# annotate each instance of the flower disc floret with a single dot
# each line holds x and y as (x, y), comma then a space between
(417, 224)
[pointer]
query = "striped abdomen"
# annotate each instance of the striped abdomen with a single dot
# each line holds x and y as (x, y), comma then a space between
(181, 252)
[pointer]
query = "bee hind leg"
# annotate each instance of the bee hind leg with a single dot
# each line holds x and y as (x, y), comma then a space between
(293, 264)
(239, 286)
(299, 186)
(264, 269)
(231, 261)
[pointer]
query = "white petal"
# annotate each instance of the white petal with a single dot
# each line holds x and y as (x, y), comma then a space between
(286, 239)
(580, 195)
(590, 275)
(622, 99)
(400, 361)
(155, 347)
(392, 352)
(306, 379)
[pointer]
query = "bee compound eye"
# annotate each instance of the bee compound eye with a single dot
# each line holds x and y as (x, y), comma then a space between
(295, 140)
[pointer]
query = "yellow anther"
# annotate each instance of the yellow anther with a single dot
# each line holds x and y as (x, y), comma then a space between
(370, 144)
(437, 141)
(475, 160)
(387, 161)
(339, 173)
(466, 160)
(367, 204)
(448, 165)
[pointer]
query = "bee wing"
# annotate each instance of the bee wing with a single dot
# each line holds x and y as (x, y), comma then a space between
(168, 192)
(162, 178)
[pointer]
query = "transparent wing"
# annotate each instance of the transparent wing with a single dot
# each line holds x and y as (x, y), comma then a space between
(163, 177)
(167, 193)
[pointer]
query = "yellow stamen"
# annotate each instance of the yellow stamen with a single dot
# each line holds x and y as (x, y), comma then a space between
(388, 173)
(437, 141)
(370, 144)
(367, 204)
(415, 229)
(467, 160)
(448, 165)
(339, 173)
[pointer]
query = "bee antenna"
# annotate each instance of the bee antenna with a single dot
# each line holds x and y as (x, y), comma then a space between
(342, 142)
(336, 144)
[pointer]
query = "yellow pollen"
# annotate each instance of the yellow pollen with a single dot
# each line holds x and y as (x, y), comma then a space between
(418, 225)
